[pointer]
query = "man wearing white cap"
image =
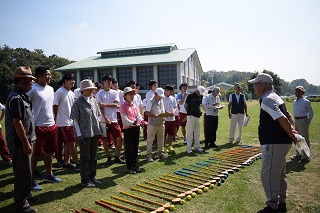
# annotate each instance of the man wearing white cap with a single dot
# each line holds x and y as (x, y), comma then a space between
(194, 113)
(154, 108)
(303, 114)
(276, 134)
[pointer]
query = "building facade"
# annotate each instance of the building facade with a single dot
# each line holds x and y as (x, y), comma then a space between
(164, 63)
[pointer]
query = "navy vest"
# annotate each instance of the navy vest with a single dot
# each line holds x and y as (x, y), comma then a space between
(237, 107)
(270, 131)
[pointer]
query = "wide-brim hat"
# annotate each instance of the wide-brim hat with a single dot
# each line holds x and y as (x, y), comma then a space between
(129, 89)
(23, 72)
(87, 84)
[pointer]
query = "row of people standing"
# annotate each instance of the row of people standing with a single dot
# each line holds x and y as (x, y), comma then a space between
(29, 115)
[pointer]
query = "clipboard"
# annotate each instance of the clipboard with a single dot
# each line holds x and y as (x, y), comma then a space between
(166, 114)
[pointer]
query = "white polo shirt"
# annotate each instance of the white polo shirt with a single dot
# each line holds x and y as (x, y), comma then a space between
(169, 105)
(108, 97)
(64, 100)
(42, 101)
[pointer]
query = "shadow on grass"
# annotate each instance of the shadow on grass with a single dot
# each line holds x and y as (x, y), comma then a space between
(294, 166)
(46, 197)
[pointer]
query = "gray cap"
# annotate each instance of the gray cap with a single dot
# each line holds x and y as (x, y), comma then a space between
(216, 90)
(262, 77)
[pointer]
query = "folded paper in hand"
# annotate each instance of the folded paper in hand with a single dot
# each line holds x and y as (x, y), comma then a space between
(246, 120)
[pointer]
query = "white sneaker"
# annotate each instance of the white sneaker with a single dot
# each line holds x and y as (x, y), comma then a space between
(162, 156)
(149, 158)
(199, 149)
(189, 151)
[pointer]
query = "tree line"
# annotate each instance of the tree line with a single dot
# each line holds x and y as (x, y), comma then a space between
(282, 87)
(10, 58)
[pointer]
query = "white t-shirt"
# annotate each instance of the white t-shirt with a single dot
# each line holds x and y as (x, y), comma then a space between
(179, 98)
(149, 95)
(77, 93)
(121, 99)
(137, 101)
(42, 101)
(144, 103)
(169, 105)
(64, 100)
(108, 97)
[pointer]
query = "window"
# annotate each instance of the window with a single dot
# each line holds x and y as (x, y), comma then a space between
(103, 73)
(144, 75)
(87, 74)
(167, 75)
(124, 75)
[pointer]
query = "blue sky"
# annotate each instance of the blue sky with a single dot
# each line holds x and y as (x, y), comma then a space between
(245, 35)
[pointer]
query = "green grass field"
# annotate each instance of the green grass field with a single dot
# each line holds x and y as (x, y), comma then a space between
(242, 191)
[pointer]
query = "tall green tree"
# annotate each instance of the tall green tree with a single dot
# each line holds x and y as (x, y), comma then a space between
(10, 58)
(276, 83)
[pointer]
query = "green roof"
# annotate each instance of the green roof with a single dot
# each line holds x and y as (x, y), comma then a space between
(175, 56)
(171, 45)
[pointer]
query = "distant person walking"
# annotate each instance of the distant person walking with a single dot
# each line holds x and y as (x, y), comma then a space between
(20, 134)
(236, 108)
(303, 114)
(276, 134)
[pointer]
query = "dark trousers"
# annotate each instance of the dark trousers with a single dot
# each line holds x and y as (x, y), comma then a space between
(4, 151)
(88, 159)
(22, 177)
(131, 138)
(211, 129)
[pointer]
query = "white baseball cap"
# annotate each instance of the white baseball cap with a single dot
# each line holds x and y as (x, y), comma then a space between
(160, 91)
(201, 90)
